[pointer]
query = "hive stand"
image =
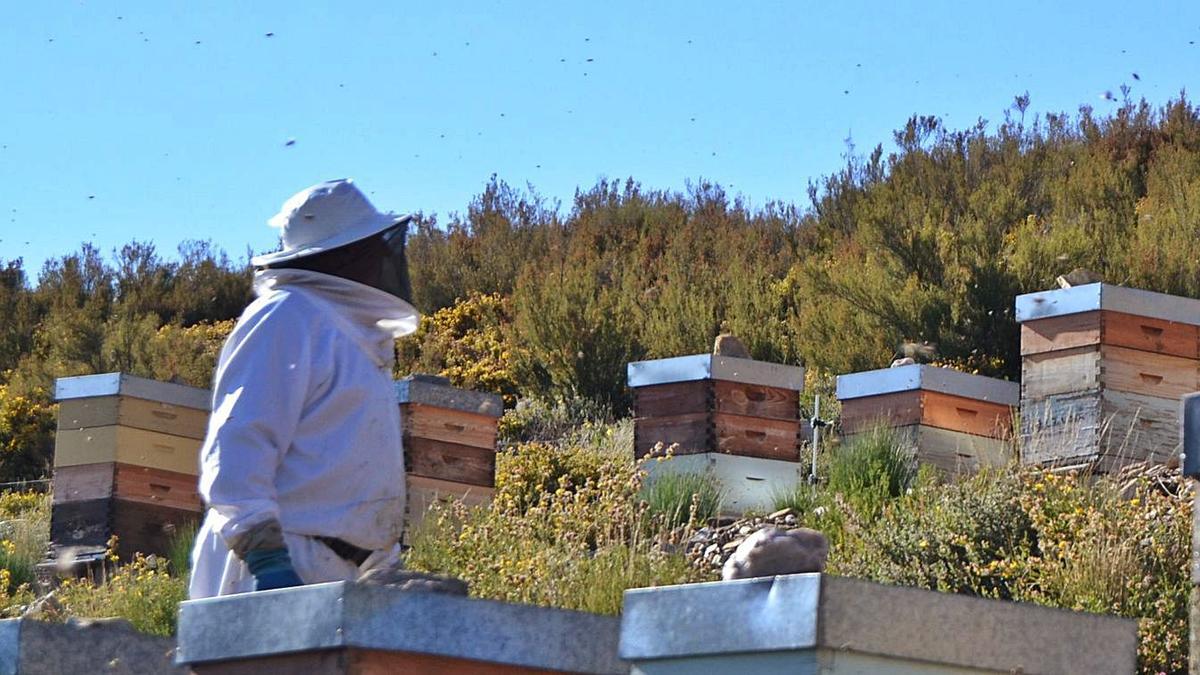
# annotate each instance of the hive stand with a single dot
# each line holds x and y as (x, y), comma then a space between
(955, 421)
(736, 418)
(1103, 368)
(449, 443)
(126, 461)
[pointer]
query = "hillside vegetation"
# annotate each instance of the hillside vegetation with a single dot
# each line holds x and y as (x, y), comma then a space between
(545, 304)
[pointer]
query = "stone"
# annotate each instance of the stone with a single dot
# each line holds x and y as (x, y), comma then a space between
(728, 345)
(772, 551)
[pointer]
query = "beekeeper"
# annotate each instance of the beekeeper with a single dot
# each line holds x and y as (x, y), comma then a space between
(302, 469)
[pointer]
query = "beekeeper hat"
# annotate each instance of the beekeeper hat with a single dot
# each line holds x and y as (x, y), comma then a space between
(323, 217)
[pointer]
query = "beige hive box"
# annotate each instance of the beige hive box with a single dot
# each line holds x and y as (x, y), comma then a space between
(125, 462)
(956, 421)
(738, 419)
(1103, 368)
(449, 443)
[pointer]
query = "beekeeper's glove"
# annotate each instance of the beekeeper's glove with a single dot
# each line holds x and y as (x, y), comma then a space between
(272, 568)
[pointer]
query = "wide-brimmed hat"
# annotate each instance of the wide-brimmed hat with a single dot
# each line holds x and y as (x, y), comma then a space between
(323, 217)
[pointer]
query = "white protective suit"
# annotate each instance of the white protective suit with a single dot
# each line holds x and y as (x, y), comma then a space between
(305, 429)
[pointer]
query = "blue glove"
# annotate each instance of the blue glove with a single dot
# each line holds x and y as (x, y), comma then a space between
(272, 568)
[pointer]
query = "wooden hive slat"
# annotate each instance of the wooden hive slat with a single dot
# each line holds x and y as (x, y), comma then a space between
(419, 420)
(893, 410)
(450, 461)
(1106, 428)
(971, 416)
(101, 411)
(675, 398)
(423, 492)
(139, 527)
(127, 445)
(84, 482)
(757, 436)
(1060, 372)
(754, 400)
(1109, 327)
(158, 487)
(691, 431)
(1149, 374)
(953, 452)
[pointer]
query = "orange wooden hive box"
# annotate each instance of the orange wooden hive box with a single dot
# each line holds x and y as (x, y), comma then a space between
(449, 442)
(125, 463)
(1103, 369)
(956, 421)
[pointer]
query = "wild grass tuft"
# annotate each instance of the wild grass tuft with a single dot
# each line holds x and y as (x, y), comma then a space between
(682, 498)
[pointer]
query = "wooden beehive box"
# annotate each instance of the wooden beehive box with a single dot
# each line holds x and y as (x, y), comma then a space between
(953, 420)
(449, 442)
(736, 419)
(1103, 368)
(126, 460)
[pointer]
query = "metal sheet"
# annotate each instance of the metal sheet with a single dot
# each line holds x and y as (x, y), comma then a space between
(1189, 433)
(112, 384)
(929, 378)
(10, 646)
(709, 366)
(1091, 297)
(343, 614)
(421, 390)
(724, 617)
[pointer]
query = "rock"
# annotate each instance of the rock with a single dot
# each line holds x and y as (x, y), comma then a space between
(906, 361)
(772, 551)
(728, 345)
(1078, 277)
(789, 519)
(779, 514)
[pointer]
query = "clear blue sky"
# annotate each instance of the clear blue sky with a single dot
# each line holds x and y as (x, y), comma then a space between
(164, 121)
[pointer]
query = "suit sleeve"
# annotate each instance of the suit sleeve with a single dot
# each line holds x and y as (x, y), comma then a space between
(259, 393)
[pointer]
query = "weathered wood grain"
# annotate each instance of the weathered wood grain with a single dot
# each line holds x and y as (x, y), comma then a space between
(754, 400)
(423, 492)
(84, 482)
(1060, 332)
(155, 486)
(450, 426)
(953, 452)
(757, 436)
(676, 398)
(1060, 372)
(139, 527)
(1116, 428)
(450, 461)
(692, 431)
(1149, 374)
(891, 410)
(101, 411)
(1151, 335)
(956, 413)
(127, 445)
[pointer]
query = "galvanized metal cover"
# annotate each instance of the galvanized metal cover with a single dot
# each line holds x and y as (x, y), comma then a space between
(120, 384)
(928, 378)
(1092, 297)
(420, 389)
(342, 614)
(712, 367)
(1189, 436)
(812, 611)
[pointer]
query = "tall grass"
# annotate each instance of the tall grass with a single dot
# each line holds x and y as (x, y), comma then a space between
(680, 498)
(873, 467)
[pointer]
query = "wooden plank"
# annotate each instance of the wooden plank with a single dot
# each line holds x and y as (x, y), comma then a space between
(83, 482)
(1061, 372)
(450, 461)
(127, 446)
(1060, 332)
(100, 411)
(757, 437)
(1151, 335)
(148, 528)
(1062, 429)
(1149, 374)
(1139, 428)
(423, 492)
(155, 486)
(755, 400)
(892, 410)
(750, 483)
(958, 453)
(677, 398)
(692, 431)
(956, 413)
(451, 426)
(81, 523)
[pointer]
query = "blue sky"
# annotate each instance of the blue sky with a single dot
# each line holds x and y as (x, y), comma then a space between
(165, 121)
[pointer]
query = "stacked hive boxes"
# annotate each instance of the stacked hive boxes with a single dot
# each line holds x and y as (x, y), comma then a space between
(449, 442)
(126, 460)
(1102, 371)
(955, 421)
(738, 418)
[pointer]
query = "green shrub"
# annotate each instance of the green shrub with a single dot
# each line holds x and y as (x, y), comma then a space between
(551, 420)
(682, 498)
(143, 592)
(872, 468)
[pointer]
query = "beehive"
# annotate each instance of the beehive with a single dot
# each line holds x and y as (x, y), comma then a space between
(953, 420)
(1103, 368)
(126, 460)
(449, 442)
(738, 419)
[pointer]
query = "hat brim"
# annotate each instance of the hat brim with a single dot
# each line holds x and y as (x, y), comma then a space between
(359, 231)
